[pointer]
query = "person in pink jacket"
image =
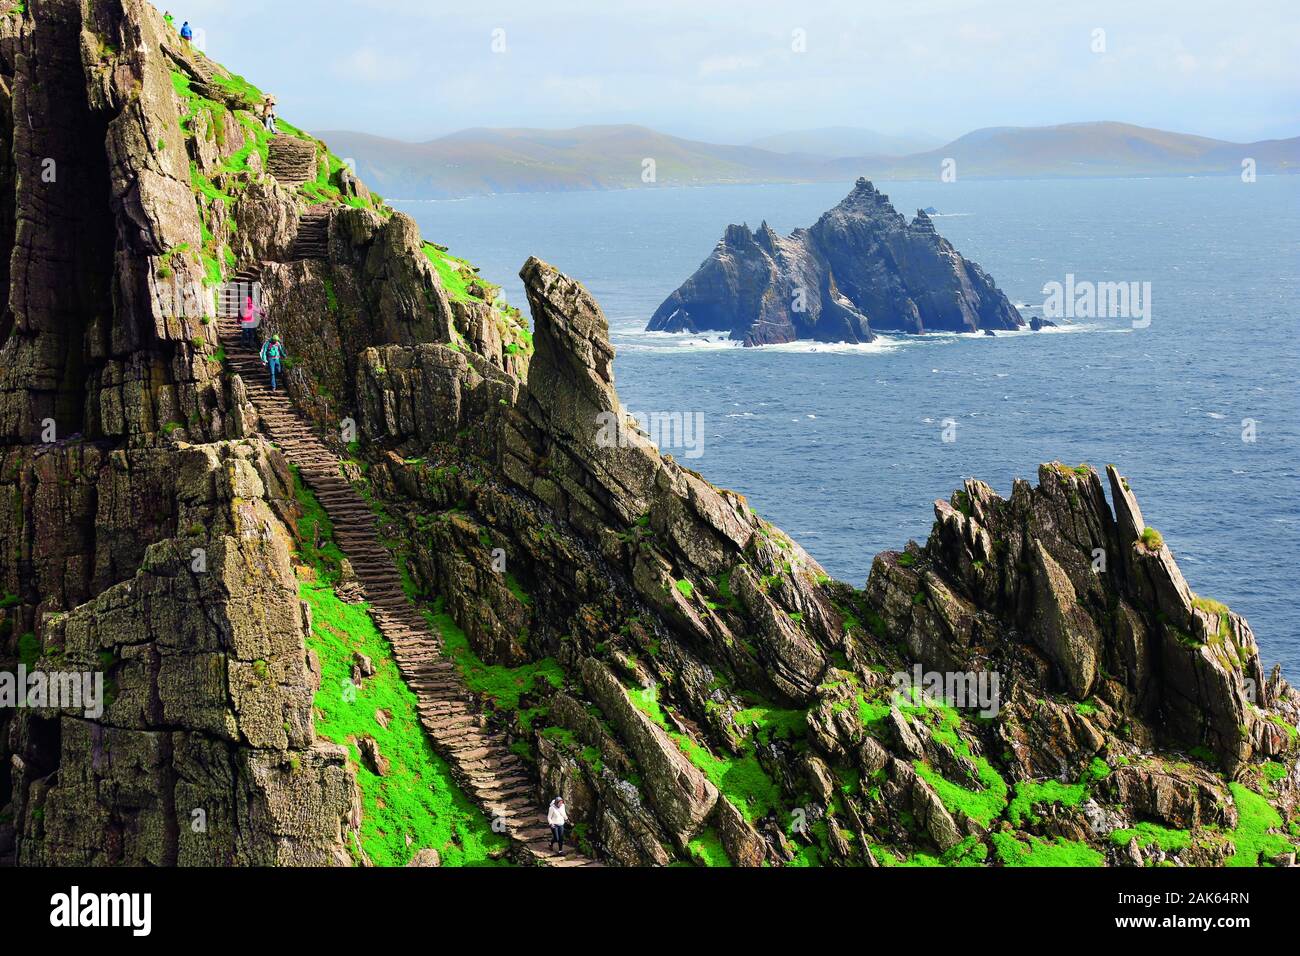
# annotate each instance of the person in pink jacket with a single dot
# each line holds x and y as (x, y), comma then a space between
(248, 323)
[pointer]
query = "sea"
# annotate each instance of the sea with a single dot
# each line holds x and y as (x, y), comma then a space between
(846, 448)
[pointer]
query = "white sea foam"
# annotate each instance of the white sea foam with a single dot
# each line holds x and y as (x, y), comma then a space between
(631, 338)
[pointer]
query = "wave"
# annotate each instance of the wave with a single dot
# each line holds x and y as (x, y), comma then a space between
(634, 340)
(673, 342)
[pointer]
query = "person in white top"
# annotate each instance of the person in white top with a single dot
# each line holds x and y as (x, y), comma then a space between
(557, 816)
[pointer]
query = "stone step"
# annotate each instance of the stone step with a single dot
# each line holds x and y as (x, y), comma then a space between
(290, 160)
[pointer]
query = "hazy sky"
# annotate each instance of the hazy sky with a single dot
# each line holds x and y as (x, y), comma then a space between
(729, 71)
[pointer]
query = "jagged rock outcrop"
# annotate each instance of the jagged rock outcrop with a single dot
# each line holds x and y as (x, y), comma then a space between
(862, 267)
(681, 793)
(1099, 597)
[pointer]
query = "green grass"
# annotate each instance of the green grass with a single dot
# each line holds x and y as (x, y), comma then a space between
(1152, 539)
(449, 272)
(1271, 772)
(772, 723)
(1043, 853)
(417, 798)
(562, 736)
(1255, 817)
(1097, 770)
(504, 685)
(646, 700)
(1218, 608)
(706, 849)
(872, 713)
(969, 852)
(517, 590)
(1030, 794)
(240, 87)
(1290, 729)
(983, 805)
(29, 650)
(316, 533)
(1147, 834)
(741, 779)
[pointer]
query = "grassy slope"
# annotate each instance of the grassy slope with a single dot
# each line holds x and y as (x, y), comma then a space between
(417, 798)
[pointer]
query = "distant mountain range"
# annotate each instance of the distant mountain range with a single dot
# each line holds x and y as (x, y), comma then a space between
(839, 142)
(485, 161)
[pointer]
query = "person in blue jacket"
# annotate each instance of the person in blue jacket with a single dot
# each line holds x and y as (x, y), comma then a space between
(273, 356)
(187, 34)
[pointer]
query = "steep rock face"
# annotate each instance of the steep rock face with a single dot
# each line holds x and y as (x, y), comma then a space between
(861, 267)
(90, 346)
(205, 754)
(162, 566)
(604, 483)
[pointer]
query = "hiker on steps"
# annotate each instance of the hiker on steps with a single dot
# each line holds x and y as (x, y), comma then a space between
(249, 320)
(557, 816)
(187, 34)
(268, 113)
(272, 356)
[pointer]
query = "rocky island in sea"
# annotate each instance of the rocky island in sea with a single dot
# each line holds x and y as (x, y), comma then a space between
(862, 268)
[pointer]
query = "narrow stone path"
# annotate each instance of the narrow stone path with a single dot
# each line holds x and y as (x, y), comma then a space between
(202, 66)
(291, 160)
(313, 239)
(497, 779)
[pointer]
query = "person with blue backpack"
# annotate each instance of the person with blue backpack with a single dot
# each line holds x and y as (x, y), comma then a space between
(187, 33)
(273, 356)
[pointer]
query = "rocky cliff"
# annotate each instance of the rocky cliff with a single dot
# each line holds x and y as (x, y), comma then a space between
(861, 267)
(682, 672)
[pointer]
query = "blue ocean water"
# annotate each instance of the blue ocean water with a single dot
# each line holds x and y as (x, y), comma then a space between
(842, 446)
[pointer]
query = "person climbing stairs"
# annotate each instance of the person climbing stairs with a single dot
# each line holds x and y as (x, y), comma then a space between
(494, 777)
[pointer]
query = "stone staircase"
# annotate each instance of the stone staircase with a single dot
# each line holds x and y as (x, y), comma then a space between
(497, 779)
(202, 66)
(313, 239)
(291, 160)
